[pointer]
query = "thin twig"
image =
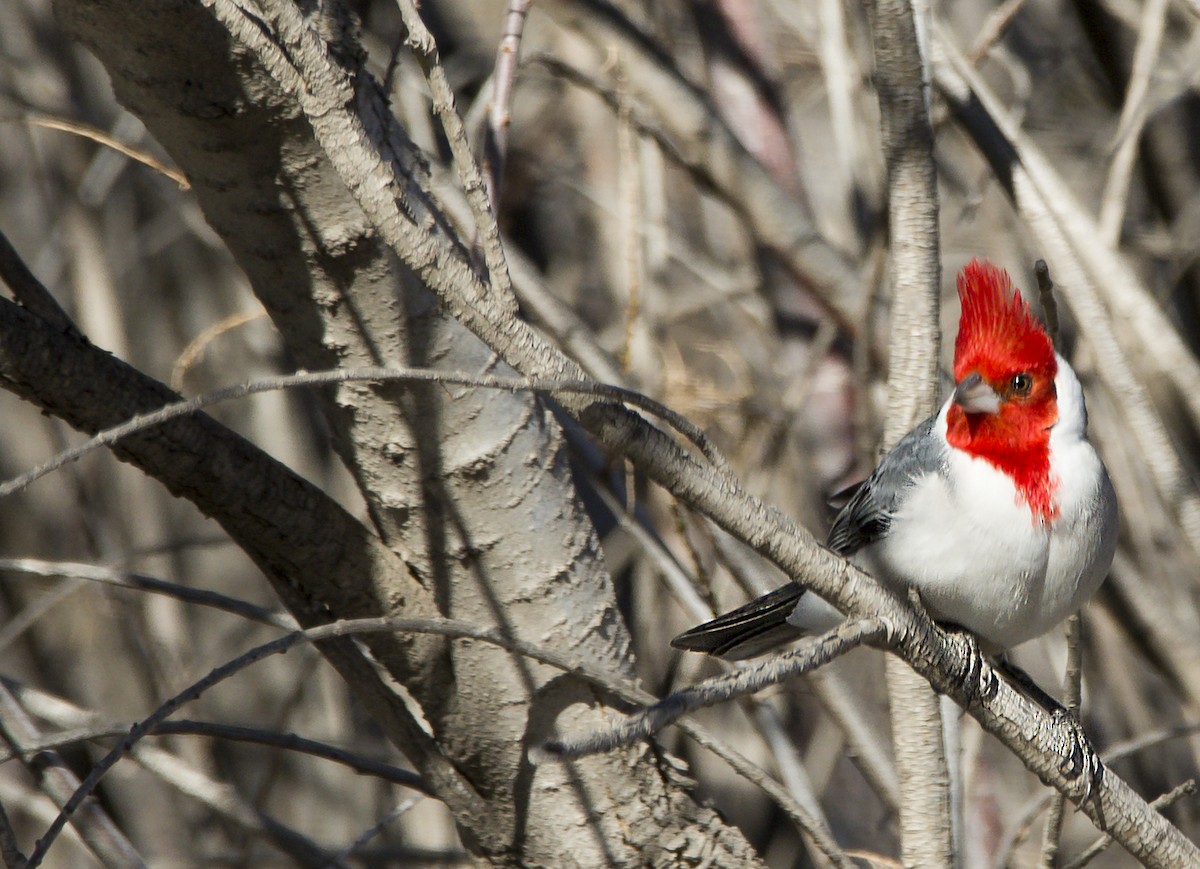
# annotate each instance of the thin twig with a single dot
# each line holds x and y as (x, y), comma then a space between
(110, 436)
(470, 176)
(216, 730)
(10, 848)
(1072, 695)
(33, 611)
(199, 344)
(96, 135)
(142, 582)
(1046, 298)
(993, 28)
(629, 182)
(1133, 118)
(504, 74)
(1187, 789)
(755, 774)
(374, 830)
(815, 653)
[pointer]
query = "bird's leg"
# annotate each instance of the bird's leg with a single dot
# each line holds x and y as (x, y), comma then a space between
(1080, 762)
(1024, 683)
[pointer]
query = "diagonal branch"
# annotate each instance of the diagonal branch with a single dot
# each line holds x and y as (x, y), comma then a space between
(813, 654)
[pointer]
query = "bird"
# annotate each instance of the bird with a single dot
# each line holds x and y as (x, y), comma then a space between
(997, 510)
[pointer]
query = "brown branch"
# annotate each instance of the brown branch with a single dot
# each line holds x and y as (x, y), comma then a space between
(814, 653)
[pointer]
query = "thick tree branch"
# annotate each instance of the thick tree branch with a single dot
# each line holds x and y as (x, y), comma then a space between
(473, 490)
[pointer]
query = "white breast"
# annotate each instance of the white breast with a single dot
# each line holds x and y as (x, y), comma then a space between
(977, 554)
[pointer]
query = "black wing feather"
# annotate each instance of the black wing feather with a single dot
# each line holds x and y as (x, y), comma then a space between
(868, 514)
(746, 631)
(863, 520)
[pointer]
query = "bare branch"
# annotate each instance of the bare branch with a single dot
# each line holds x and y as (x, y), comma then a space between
(1133, 117)
(100, 136)
(1071, 699)
(186, 407)
(423, 45)
(926, 825)
(495, 143)
(141, 582)
(1187, 789)
(812, 654)
(216, 730)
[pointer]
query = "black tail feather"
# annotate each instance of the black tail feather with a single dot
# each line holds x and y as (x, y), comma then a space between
(749, 630)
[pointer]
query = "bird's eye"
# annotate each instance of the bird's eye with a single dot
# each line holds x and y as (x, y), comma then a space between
(1021, 384)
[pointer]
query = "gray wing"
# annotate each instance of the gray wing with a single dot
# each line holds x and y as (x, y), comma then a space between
(868, 514)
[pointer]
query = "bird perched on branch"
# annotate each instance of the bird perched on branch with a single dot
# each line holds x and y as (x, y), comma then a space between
(997, 509)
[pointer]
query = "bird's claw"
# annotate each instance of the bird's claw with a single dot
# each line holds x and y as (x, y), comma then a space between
(979, 683)
(1080, 762)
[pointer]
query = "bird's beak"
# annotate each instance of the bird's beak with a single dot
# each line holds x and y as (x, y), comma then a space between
(974, 395)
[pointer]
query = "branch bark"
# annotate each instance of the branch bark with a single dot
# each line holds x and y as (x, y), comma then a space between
(926, 828)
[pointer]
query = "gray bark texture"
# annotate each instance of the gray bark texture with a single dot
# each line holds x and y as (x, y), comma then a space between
(926, 828)
(470, 491)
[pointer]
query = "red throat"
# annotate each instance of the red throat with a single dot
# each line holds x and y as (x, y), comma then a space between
(1023, 455)
(999, 338)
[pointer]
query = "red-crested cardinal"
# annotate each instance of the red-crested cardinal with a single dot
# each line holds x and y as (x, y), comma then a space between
(997, 509)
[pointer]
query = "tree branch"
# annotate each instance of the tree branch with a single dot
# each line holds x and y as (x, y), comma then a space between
(926, 825)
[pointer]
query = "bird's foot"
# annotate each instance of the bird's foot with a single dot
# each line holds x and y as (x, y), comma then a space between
(979, 682)
(1081, 763)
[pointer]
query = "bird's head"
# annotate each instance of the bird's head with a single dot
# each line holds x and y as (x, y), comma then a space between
(1004, 400)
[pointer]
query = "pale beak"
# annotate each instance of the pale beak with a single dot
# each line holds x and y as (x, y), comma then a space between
(974, 395)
